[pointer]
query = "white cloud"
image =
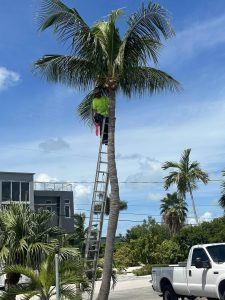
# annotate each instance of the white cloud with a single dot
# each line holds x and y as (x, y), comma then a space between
(148, 170)
(8, 78)
(43, 177)
(54, 145)
(206, 217)
(81, 192)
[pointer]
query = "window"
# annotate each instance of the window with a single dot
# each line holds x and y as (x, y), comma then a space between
(67, 211)
(48, 201)
(6, 191)
(67, 201)
(199, 253)
(25, 191)
(15, 191)
(217, 253)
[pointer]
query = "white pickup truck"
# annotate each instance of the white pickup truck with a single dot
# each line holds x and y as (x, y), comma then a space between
(203, 275)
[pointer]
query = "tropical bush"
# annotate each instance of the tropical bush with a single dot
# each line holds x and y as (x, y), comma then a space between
(41, 283)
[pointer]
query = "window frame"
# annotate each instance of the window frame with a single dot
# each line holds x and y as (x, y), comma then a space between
(67, 217)
(11, 182)
(195, 250)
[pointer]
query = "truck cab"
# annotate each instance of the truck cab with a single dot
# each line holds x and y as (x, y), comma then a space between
(203, 275)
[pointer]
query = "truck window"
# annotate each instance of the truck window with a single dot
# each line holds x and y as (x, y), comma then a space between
(199, 252)
(217, 252)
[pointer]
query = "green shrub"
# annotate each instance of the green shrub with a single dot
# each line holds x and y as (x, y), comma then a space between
(146, 270)
(98, 273)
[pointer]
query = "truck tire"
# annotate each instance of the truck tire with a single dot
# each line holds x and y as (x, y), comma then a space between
(169, 294)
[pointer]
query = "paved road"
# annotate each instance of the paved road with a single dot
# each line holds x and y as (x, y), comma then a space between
(144, 293)
(132, 288)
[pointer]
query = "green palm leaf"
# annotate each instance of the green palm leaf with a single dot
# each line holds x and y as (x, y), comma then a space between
(141, 79)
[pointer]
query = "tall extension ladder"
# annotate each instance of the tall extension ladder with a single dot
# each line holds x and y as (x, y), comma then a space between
(94, 234)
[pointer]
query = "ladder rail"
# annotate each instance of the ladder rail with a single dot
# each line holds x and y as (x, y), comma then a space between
(97, 215)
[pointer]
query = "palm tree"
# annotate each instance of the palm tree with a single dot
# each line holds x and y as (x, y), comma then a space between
(174, 212)
(185, 175)
(80, 232)
(123, 205)
(222, 198)
(101, 57)
(26, 237)
(41, 283)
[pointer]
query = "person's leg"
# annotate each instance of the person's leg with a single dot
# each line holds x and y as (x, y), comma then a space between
(106, 128)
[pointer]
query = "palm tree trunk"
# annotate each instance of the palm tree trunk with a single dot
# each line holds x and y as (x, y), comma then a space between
(193, 205)
(114, 204)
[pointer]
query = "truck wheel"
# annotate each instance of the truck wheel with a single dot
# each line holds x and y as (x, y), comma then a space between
(169, 294)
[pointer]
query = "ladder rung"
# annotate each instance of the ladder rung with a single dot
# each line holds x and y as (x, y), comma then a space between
(103, 152)
(104, 172)
(103, 162)
(91, 260)
(100, 181)
(92, 250)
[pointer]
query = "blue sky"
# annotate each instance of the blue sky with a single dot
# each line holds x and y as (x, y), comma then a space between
(41, 132)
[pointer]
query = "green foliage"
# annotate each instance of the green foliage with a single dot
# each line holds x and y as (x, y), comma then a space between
(185, 175)
(123, 204)
(40, 283)
(141, 241)
(147, 269)
(207, 232)
(222, 198)
(98, 273)
(124, 256)
(174, 212)
(25, 235)
(102, 57)
(168, 252)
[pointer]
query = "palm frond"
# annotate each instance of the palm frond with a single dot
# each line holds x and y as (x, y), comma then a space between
(84, 109)
(69, 25)
(170, 164)
(70, 70)
(222, 201)
(70, 293)
(143, 36)
(185, 156)
(108, 36)
(140, 80)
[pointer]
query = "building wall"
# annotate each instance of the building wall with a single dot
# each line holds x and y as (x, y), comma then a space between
(13, 184)
(18, 179)
(59, 202)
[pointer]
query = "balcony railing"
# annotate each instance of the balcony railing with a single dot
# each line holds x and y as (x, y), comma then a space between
(53, 186)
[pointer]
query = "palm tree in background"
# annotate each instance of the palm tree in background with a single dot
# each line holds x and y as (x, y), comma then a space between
(80, 232)
(41, 283)
(101, 57)
(185, 175)
(174, 212)
(26, 237)
(122, 203)
(222, 198)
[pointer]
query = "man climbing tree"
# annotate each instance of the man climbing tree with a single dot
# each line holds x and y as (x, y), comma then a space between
(101, 56)
(100, 106)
